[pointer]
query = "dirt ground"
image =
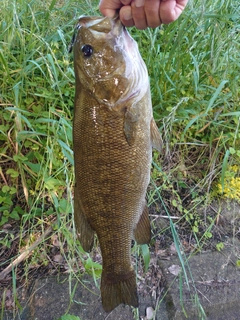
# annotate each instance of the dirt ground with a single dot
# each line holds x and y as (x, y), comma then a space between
(213, 280)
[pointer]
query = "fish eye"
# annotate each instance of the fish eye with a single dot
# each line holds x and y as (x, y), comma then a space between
(87, 50)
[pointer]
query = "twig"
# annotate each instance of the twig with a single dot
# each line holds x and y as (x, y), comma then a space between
(165, 217)
(3, 177)
(25, 254)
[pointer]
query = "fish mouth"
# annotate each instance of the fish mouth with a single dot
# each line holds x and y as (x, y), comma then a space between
(98, 24)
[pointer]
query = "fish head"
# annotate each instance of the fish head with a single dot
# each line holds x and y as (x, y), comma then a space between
(107, 61)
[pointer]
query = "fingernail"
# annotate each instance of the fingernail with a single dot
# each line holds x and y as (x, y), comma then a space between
(139, 3)
(127, 14)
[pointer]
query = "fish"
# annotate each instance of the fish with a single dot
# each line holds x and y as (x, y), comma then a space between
(113, 136)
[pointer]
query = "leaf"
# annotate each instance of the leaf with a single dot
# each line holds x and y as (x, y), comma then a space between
(52, 183)
(208, 234)
(93, 268)
(220, 246)
(91, 264)
(13, 173)
(69, 317)
(35, 167)
(146, 255)
(64, 206)
(232, 150)
(67, 151)
(14, 215)
(174, 203)
(215, 95)
(13, 190)
(195, 229)
(3, 220)
(5, 189)
(20, 158)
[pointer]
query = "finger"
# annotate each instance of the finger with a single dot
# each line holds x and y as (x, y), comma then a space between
(170, 10)
(152, 12)
(106, 10)
(109, 7)
(126, 16)
(138, 14)
(126, 2)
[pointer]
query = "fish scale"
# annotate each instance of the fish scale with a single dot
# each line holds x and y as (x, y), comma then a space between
(113, 135)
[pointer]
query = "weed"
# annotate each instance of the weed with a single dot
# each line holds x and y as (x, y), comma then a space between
(220, 246)
(69, 317)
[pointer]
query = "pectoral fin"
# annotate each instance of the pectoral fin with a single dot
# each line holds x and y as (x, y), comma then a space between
(155, 136)
(85, 233)
(130, 126)
(142, 233)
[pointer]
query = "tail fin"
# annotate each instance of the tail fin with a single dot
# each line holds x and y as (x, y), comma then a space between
(117, 289)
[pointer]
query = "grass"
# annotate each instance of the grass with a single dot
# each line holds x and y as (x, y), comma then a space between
(193, 66)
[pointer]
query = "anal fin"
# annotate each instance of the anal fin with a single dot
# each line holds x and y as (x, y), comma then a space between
(85, 233)
(142, 232)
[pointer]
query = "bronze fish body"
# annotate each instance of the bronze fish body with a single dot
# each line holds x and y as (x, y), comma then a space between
(113, 136)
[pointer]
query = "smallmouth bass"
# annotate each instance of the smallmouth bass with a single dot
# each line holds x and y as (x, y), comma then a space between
(113, 135)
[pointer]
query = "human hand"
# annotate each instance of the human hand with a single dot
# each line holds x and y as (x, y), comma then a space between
(143, 13)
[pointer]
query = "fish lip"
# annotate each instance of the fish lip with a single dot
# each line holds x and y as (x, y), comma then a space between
(117, 26)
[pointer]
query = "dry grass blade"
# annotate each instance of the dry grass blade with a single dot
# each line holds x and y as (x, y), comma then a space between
(25, 254)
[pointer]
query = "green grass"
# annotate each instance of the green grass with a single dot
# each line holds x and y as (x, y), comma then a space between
(193, 66)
